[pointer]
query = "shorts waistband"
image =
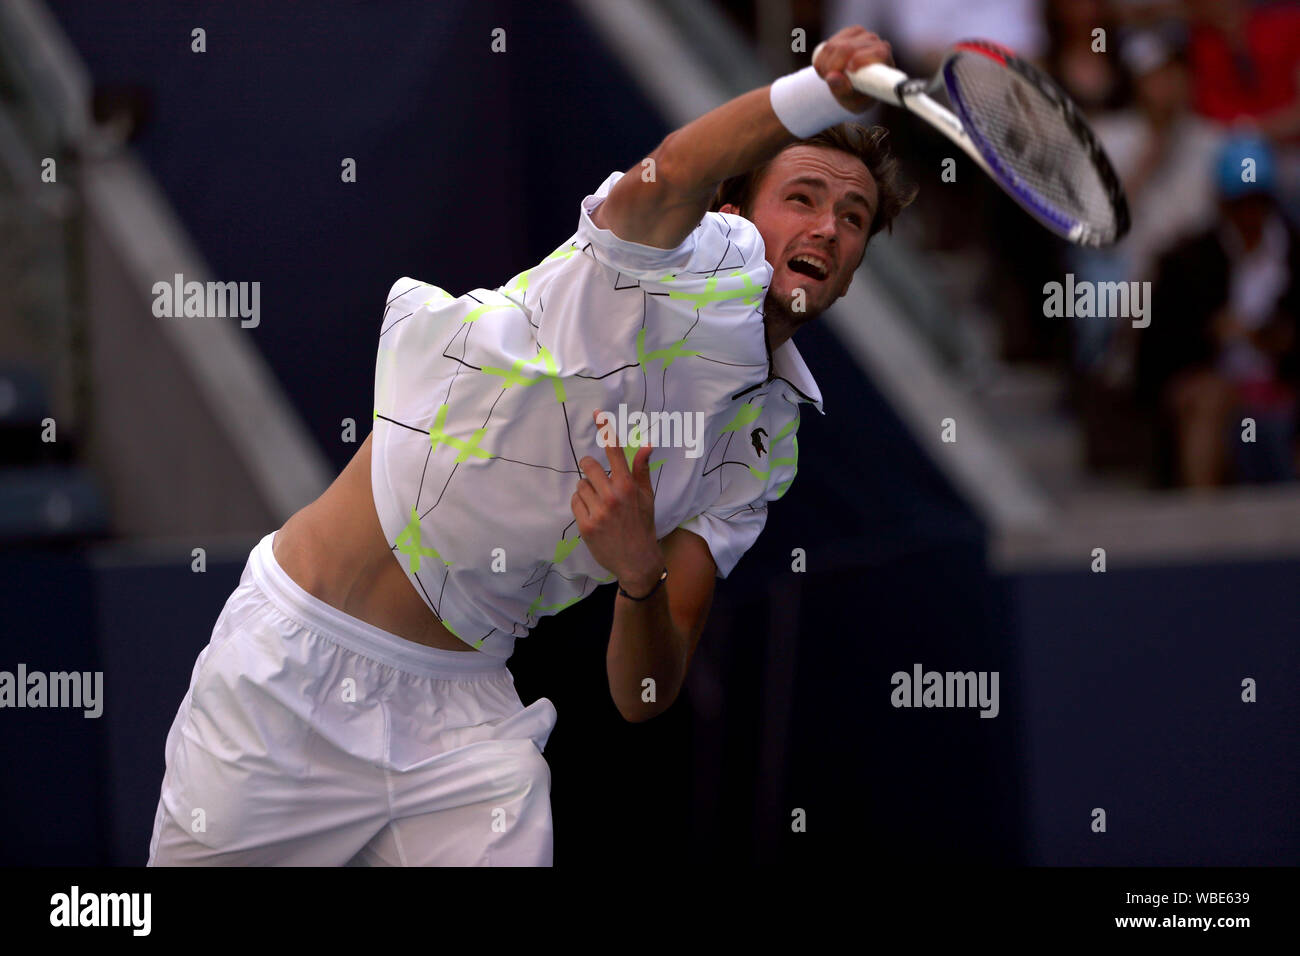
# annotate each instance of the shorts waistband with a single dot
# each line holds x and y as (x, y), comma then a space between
(358, 636)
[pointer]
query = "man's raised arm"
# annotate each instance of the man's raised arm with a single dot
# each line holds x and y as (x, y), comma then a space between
(733, 139)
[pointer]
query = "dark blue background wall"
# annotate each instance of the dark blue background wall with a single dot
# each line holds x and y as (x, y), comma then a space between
(470, 164)
(1117, 690)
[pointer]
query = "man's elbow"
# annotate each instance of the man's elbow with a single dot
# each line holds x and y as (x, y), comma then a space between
(640, 713)
(677, 177)
(634, 716)
(666, 166)
(639, 710)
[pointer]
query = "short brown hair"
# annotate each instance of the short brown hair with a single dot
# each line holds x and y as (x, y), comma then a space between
(866, 144)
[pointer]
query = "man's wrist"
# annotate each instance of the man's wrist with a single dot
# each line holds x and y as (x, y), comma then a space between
(805, 105)
(663, 575)
(644, 579)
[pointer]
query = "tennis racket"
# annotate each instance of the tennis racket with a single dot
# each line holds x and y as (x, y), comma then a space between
(1022, 129)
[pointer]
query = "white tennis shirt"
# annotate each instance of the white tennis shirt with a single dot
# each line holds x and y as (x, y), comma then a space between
(483, 408)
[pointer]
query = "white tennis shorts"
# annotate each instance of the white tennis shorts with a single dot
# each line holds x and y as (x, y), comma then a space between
(311, 738)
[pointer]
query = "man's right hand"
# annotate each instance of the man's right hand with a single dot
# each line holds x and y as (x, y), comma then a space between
(850, 49)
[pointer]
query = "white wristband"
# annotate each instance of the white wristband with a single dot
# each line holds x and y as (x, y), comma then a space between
(805, 105)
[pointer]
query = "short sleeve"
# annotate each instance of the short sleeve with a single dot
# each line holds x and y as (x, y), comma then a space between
(406, 296)
(728, 536)
(721, 246)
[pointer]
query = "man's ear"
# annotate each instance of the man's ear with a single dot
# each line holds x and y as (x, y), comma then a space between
(731, 208)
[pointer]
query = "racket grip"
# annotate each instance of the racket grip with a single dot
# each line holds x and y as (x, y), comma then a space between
(879, 81)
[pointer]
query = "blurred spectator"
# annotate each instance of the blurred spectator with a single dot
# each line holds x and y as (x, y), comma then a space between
(920, 31)
(1164, 155)
(1222, 345)
(1246, 65)
(1092, 78)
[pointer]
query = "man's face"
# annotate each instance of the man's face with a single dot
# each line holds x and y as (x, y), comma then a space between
(816, 203)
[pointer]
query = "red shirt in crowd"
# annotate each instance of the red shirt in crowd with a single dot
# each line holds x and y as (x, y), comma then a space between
(1252, 82)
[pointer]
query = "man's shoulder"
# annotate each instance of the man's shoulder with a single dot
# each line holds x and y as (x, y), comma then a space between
(721, 242)
(407, 289)
(408, 297)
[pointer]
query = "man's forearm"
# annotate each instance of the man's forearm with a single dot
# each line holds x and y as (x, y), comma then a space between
(658, 204)
(645, 642)
(734, 138)
(688, 165)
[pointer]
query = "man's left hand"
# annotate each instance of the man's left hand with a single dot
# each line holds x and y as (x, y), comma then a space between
(616, 514)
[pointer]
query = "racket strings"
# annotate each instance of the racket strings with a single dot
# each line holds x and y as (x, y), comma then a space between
(1036, 146)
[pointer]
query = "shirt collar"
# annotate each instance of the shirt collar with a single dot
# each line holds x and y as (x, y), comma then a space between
(786, 363)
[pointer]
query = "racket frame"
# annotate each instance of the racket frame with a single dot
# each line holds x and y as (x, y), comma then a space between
(893, 86)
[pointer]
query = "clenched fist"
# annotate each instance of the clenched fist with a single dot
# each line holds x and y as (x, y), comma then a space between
(850, 49)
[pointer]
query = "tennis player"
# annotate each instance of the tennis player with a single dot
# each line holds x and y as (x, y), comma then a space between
(529, 444)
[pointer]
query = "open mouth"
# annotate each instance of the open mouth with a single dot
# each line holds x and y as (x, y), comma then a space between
(810, 266)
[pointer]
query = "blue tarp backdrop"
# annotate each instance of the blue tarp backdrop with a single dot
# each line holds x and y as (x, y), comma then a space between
(1119, 691)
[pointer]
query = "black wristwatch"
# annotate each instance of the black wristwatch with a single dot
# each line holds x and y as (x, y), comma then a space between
(652, 590)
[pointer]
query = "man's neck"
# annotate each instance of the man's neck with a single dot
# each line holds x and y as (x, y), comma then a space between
(778, 328)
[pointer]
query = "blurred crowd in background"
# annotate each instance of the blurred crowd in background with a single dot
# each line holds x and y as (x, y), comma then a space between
(1197, 103)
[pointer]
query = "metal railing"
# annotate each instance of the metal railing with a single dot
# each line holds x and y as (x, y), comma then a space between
(182, 422)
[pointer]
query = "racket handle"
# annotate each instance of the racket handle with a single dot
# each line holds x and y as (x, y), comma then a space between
(877, 80)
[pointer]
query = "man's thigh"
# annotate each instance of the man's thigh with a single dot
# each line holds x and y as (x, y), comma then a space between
(481, 797)
(249, 779)
(175, 844)
(485, 804)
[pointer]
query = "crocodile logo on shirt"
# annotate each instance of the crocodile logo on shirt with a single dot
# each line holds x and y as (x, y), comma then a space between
(758, 442)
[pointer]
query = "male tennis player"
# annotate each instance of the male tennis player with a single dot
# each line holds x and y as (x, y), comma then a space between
(354, 705)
